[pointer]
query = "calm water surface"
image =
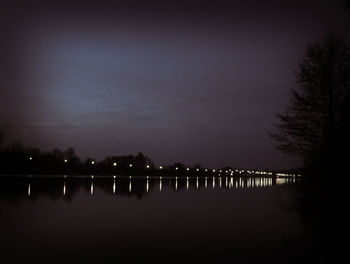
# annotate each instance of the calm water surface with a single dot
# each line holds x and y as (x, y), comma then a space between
(154, 219)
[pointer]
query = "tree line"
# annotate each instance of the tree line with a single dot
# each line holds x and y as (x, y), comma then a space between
(16, 158)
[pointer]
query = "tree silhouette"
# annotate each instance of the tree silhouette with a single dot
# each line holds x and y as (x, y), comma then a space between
(312, 125)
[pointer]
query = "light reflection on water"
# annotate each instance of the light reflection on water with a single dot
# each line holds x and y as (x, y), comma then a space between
(104, 209)
(64, 188)
(148, 183)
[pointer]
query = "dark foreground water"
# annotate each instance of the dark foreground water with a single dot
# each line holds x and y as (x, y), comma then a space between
(162, 220)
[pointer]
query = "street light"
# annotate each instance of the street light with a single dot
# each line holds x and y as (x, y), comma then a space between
(160, 167)
(65, 161)
(92, 162)
(130, 165)
(147, 166)
(114, 164)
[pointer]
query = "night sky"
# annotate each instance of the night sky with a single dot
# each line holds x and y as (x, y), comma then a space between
(188, 81)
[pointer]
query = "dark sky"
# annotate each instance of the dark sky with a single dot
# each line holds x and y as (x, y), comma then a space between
(188, 81)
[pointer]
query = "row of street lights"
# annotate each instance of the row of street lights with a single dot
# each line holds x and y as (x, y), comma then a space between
(229, 171)
(131, 165)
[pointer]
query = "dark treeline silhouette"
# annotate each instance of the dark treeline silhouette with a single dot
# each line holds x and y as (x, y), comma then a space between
(316, 127)
(16, 159)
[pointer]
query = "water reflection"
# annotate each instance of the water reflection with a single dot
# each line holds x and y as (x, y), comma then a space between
(64, 188)
(57, 187)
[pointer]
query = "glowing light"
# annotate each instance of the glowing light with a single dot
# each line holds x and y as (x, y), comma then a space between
(147, 166)
(176, 184)
(130, 186)
(30, 158)
(188, 169)
(114, 176)
(65, 161)
(160, 184)
(226, 182)
(206, 182)
(92, 176)
(206, 170)
(176, 168)
(213, 182)
(147, 186)
(64, 176)
(64, 188)
(160, 167)
(114, 164)
(114, 186)
(29, 189)
(92, 188)
(220, 182)
(130, 165)
(92, 162)
(197, 183)
(197, 169)
(187, 183)
(213, 170)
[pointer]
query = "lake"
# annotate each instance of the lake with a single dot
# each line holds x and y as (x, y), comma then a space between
(91, 219)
